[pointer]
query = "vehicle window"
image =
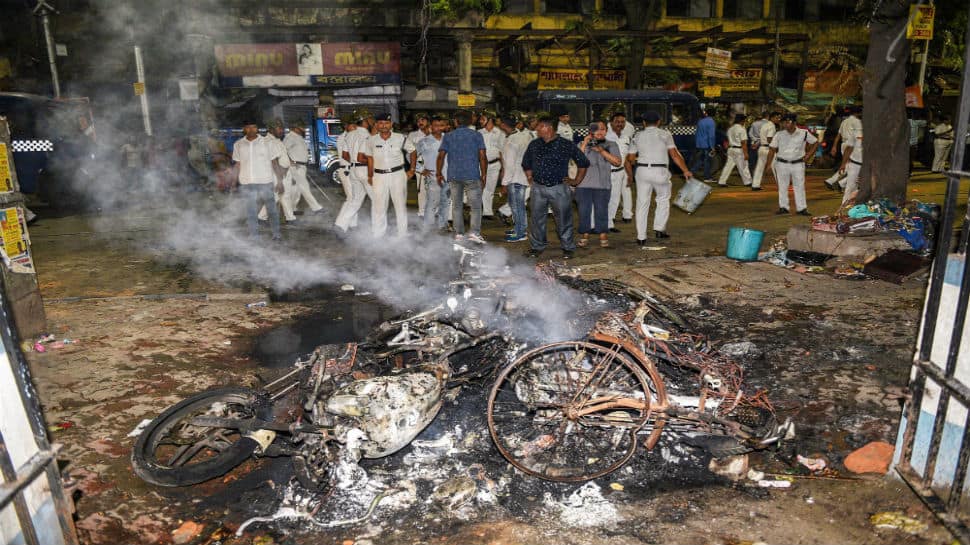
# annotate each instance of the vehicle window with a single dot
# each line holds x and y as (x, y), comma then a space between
(576, 110)
(598, 108)
(641, 108)
(335, 129)
(680, 115)
(20, 116)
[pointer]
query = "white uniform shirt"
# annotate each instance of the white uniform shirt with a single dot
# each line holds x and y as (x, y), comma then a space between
(849, 128)
(856, 148)
(943, 131)
(427, 149)
(622, 142)
(255, 159)
(651, 146)
(565, 130)
(791, 146)
(515, 146)
(416, 136)
(296, 147)
(494, 142)
(767, 133)
(754, 132)
(281, 156)
(388, 154)
(736, 134)
(357, 142)
(341, 148)
(628, 131)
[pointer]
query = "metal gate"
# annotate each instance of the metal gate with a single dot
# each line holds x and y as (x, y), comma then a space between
(934, 449)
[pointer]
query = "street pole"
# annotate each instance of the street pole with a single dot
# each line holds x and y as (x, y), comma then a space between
(140, 67)
(922, 63)
(43, 10)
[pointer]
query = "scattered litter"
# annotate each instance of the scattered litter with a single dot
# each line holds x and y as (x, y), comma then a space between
(616, 486)
(39, 348)
(755, 475)
(140, 427)
(186, 532)
(813, 464)
(897, 266)
(780, 483)
(653, 248)
(263, 540)
(896, 520)
(46, 338)
(347, 287)
(874, 457)
(743, 349)
(810, 500)
(64, 425)
(257, 304)
(732, 467)
(585, 507)
(227, 343)
(455, 492)
(363, 293)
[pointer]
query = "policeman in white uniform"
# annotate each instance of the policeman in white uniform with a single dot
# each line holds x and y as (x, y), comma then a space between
(423, 129)
(737, 153)
(387, 176)
(620, 177)
(564, 129)
(494, 142)
(942, 142)
(851, 166)
(847, 131)
(649, 154)
(282, 174)
(344, 160)
(766, 134)
(296, 148)
(355, 142)
(789, 150)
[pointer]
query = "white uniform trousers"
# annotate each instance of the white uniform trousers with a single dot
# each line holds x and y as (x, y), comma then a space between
(735, 158)
(650, 179)
(391, 187)
(343, 175)
(619, 191)
(301, 188)
(941, 152)
(851, 180)
(792, 174)
(759, 169)
(360, 190)
(284, 201)
(837, 177)
(491, 182)
(422, 195)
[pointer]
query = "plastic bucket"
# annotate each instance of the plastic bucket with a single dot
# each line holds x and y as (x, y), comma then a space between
(692, 195)
(743, 244)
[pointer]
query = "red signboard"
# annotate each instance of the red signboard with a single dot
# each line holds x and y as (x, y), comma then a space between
(352, 58)
(256, 59)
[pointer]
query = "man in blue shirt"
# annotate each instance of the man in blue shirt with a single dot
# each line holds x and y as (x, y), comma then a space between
(703, 144)
(546, 166)
(464, 148)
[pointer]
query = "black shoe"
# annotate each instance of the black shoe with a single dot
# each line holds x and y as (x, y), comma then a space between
(803, 212)
(277, 238)
(488, 218)
(533, 253)
(756, 189)
(567, 254)
(614, 230)
(782, 211)
(830, 185)
(721, 185)
(660, 235)
(641, 242)
(627, 220)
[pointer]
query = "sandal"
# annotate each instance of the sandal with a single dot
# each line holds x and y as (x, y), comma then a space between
(604, 243)
(582, 243)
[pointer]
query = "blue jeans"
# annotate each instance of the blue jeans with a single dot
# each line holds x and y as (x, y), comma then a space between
(258, 195)
(472, 188)
(703, 156)
(517, 204)
(595, 203)
(437, 201)
(561, 201)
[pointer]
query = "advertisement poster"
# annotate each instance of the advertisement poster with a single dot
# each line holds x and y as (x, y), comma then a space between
(309, 59)
(16, 245)
(6, 180)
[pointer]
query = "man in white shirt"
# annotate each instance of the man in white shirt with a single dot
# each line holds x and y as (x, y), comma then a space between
(851, 165)
(789, 150)
(847, 131)
(754, 140)
(282, 170)
(515, 184)
(423, 124)
(737, 153)
(344, 159)
(942, 142)
(296, 149)
(494, 141)
(437, 193)
(564, 129)
(766, 134)
(621, 177)
(649, 154)
(256, 156)
(355, 143)
(387, 176)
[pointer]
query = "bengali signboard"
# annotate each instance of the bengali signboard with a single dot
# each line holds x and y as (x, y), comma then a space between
(309, 64)
(237, 60)
(717, 63)
(739, 81)
(920, 25)
(14, 242)
(353, 59)
(579, 79)
(6, 181)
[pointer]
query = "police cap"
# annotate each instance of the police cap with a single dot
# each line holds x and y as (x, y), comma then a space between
(382, 117)
(650, 117)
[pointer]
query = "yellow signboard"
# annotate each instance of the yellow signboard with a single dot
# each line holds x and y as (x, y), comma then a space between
(579, 79)
(739, 81)
(139, 88)
(920, 25)
(6, 181)
(466, 100)
(712, 91)
(717, 63)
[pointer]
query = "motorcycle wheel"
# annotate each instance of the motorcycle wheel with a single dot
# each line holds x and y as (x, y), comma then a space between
(173, 452)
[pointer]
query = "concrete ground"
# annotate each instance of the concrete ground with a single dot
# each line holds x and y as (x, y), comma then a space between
(153, 326)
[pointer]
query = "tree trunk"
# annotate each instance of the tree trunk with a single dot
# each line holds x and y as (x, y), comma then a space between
(885, 169)
(639, 16)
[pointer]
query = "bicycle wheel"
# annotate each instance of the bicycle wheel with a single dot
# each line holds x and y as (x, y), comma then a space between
(173, 452)
(569, 411)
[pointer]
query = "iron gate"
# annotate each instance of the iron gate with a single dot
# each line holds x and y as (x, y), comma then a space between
(935, 448)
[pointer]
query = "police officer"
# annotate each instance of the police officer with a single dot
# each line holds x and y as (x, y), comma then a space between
(793, 147)
(344, 160)
(296, 148)
(386, 174)
(621, 177)
(423, 128)
(282, 171)
(355, 142)
(766, 133)
(649, 155)
(494, 142)
(846, 137)
(737, 153)
(851, 165)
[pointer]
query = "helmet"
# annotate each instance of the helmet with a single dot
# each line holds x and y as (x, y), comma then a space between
(489, 113)
(362, 113)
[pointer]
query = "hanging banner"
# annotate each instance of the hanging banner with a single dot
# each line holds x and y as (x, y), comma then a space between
(579, 79)
(920, 25)
(740, 81)
(717, 63)
(237, 60)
